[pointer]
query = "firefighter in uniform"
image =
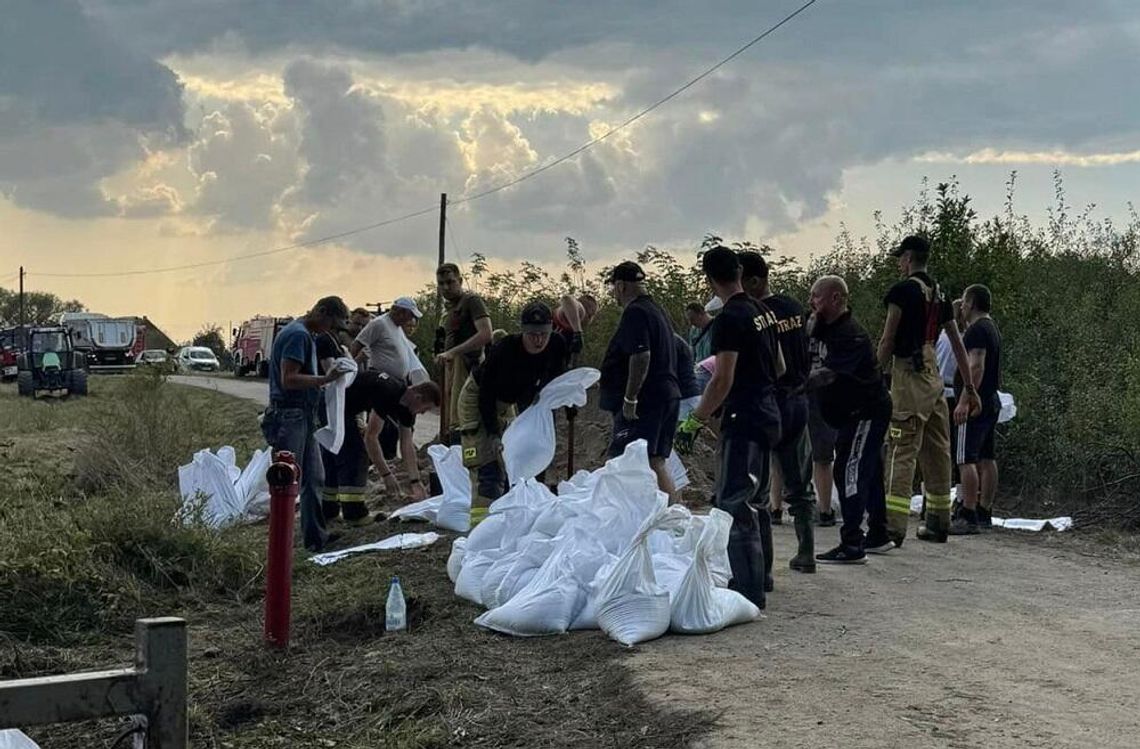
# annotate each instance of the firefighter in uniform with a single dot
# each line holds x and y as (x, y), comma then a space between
(919, 434)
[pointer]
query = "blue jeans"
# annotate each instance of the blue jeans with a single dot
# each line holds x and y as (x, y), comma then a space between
(292, 429)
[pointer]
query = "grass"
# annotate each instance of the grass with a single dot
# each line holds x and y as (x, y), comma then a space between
(87, 545)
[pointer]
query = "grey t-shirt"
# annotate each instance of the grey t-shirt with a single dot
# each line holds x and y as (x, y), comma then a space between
(383, 340)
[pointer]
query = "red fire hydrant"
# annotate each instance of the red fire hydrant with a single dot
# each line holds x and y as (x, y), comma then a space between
(284, 478)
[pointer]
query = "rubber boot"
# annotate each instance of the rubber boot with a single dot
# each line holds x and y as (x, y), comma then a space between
(804, 560)
(898, 518)
(746, 559)
(766, 545)
(936, 528)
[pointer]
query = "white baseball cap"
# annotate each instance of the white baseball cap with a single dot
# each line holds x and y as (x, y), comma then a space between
(714, 305)
(406, 302)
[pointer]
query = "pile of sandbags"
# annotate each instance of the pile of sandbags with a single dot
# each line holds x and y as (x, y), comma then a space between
(219, 493)
(604, 552)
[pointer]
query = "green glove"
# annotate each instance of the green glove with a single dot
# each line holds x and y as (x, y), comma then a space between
(687, 432)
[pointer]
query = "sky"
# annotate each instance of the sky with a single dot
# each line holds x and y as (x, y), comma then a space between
(137, 135)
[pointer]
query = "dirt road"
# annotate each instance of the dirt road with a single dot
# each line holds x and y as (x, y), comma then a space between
(994, 641)
(427, 425)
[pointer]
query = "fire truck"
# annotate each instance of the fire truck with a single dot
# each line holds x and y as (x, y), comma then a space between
(253, 342)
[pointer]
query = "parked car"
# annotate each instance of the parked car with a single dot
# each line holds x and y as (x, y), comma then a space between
(197, 359)
(154, 356)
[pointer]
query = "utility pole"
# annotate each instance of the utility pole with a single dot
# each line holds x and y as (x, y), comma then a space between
(442, 225)
(21, 297)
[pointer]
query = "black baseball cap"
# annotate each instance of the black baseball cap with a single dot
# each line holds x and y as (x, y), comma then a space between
(627, 271)
(914, 243)
(536, 317)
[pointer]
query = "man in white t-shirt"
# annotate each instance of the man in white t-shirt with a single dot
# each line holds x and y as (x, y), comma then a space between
(389, 352)
(383, 338)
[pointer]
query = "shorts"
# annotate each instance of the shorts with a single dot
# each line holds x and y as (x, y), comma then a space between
(975, 439)
(657, 425)
(821, 433)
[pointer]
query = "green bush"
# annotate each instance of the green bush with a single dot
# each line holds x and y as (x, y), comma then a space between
(1065, 296)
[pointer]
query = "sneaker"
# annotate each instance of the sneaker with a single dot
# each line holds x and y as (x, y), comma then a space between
(879, 546)
(842, 555)
(826, 519)
(777, 517)
(963, 526)
(985, 519)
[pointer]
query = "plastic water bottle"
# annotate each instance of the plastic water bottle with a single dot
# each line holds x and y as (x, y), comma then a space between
(396, 612)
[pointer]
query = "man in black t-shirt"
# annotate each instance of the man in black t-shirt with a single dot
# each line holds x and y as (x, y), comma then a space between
(639, 373)
(346, 473)
(792, 452)
(748, 363)
(975, 443)
(506, 382)
(920, 424)
(852, 400)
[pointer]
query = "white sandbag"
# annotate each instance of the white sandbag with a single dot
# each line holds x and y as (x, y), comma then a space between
(625, 495)
(402, 541)
(677, 471)
(216, 490)
(1035, 525)
(549, 603)
(455, 558)
(14, 739)
(331, 437)
(587, 618)
(450, 510)
(632, 607)
(501, 531)
(669, 570)
(1008, 410)
(514, 571)
(529, 442)
(699, 606)
(469, 582)
(529, 493)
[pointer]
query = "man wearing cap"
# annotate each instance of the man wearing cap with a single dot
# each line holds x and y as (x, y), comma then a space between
(384, 340)
(467, 332)
(748, 363)
(792, 452)
(506, 382)
(919, 434)
(639, 383)
(290, 421)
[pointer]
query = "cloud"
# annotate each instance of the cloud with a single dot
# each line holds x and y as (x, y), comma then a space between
(76, 106)
(322, 118)
(1013, 158)
(244, 160)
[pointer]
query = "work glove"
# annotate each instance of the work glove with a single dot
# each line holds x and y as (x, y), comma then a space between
(629, 409)
(687, 432)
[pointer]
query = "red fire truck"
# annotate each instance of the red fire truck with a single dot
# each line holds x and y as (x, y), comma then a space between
(253, 341)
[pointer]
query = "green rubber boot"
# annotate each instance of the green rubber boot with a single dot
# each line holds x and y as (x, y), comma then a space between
(804, 560)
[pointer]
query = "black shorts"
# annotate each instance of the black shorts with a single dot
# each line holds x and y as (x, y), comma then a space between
(822, 435)
(975, 439)
(657, 425)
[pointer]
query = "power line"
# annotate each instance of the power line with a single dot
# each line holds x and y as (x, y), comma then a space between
(470, 198)
(263, 253)
(639, 115)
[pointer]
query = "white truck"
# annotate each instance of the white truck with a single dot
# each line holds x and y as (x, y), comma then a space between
(106, 342)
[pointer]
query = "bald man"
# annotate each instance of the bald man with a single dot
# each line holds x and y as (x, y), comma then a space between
(853, 400)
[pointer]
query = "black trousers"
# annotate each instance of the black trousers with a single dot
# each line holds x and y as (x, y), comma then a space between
(858, 476)
(747, 437)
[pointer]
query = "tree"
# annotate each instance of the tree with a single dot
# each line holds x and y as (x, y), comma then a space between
(39, 307)
(211, 337)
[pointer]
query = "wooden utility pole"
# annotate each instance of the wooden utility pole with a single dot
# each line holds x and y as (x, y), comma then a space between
(21, 297)
(444, 373)
(442, 225)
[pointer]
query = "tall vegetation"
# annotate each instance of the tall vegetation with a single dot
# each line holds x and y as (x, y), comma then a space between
(1066, 292)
